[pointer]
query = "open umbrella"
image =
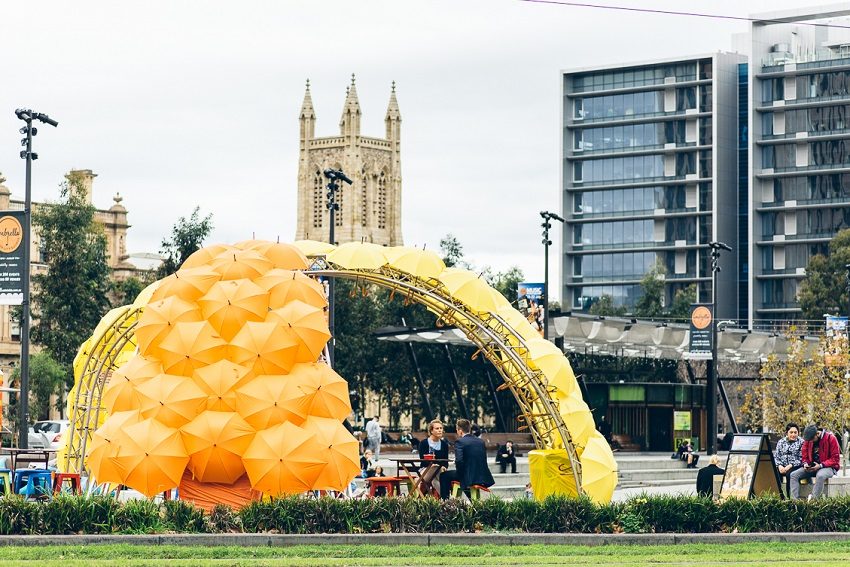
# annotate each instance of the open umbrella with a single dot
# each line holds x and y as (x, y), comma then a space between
(577, 418)
(260, 402)
(186, 283)
(416, 262)
(285, 256)
(358, 255)
(285, 286)
(468, 288)
(315, 389)
(102, 446)
(215, 442)
(341, 452)
(159, 318)
(284, 459)
(240, 264)
(151, 457)
(219, 382)
(308, 323)
(598, 469)
(266, 348)
(189, 346)
(554, 365)
(173, 400)
(120, 393)
(229, 304)
(145, 295)
(313, 247)
(517, 322)
(203, 256)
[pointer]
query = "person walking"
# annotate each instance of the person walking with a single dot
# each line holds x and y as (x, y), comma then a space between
(821, 460)
(373, 435)
(470, 462)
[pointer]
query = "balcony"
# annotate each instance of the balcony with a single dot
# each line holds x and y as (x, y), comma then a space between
(693, 177)
(664, 244)
(809, 203)
(638, 213)
(796, 137)
(578, 122)
(578, 154)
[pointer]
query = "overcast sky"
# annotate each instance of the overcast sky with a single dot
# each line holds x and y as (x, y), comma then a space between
(177, 104)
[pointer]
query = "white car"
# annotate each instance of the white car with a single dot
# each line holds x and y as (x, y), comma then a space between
(47, 434)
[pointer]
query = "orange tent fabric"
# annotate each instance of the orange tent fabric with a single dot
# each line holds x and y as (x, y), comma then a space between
(207, 494)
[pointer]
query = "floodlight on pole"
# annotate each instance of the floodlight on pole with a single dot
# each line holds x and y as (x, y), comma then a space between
(548, 217)
(334, 176)
(711, 442)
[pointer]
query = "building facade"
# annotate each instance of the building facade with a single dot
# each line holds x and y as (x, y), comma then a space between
(370, 208)
(799, 125)
(649, 176)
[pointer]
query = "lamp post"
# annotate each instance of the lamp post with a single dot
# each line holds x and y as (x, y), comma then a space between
(547, 224)
(29, 131)
(711, 444)
(334, 176)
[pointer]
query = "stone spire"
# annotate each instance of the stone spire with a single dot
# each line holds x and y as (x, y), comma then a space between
(349, 125)
(308, 115)
(392, 120)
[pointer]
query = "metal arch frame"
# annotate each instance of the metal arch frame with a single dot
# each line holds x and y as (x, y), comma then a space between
(495, 339)
(97, 369)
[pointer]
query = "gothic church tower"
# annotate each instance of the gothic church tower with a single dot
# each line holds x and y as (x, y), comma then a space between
(370, 208)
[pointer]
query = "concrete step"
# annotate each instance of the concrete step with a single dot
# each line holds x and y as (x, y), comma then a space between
(655, 475)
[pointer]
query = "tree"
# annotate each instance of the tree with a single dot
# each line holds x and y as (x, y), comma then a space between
(682, 300)
(825, 289)
(605, 307)
(187, 237)
(651, 302)
(507, 282)
(46, 379)
(807, 386)
(452, 251)
(71, 297)
(125, 291)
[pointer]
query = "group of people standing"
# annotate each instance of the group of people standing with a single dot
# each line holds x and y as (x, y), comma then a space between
(815, 454)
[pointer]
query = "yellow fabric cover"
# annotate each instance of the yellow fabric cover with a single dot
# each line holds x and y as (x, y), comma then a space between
(551, 473)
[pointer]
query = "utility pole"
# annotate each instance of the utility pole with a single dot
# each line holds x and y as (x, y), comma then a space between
(547, 224)
(23, 399)
(333, 176)
(711, 426)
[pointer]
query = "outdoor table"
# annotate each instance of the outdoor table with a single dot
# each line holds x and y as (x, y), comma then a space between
(416, 471)
(16, 454)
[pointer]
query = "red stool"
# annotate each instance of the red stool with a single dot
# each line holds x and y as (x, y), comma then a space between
(391, 483)
(60, 478)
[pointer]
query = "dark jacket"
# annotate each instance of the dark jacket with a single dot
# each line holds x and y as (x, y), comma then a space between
(441, 453)
(705, 480)
(504, 449)
(471, 462)
(828, 451)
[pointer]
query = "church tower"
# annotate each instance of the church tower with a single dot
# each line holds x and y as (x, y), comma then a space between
(370, 208)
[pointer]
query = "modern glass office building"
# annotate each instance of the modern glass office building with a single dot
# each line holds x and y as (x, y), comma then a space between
(799, 88)
(650, 176)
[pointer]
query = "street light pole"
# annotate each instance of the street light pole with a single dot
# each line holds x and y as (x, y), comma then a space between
(711, 426)
(23, 398)
(547, 224)
(333, 176)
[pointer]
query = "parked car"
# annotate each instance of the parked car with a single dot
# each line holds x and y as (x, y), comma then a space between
(47, 434)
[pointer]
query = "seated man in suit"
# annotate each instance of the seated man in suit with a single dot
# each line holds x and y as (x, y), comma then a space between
(505, 455)
(470, 462)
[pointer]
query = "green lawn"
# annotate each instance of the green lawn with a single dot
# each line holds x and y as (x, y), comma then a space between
(738, 554)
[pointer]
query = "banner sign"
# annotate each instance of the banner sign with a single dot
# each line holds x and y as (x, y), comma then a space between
(11, 257)
(836, 326)
(681, 420)
(702, 332)
(529, 303)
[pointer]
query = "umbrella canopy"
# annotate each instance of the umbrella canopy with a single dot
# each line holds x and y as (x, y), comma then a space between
(229, 304)
(219, 382)
(189, 346)
(598, 469)
(159, 318)
(266, 348)
(260, 402)
(103, 446)
(554, 365)
(284, 459)
(577, 418)
(186, 283)
(203, 256)
(240, 264)
(313, 247)
(341, 452)
(416, 262)
(358, 255)
(285, 286)
(285, 256)
(215, 442)
(120, 393)
(315, 389)
(468, 288)
(151, 457)
(144, 296)
(517, 322)
(308, 323)
(173, 400)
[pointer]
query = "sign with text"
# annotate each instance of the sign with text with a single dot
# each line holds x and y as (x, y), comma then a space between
(702, 332)
(11, 257)
(681, 420)
(530, 303)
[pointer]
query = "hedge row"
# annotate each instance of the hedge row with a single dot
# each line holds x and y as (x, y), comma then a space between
(298, 515)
